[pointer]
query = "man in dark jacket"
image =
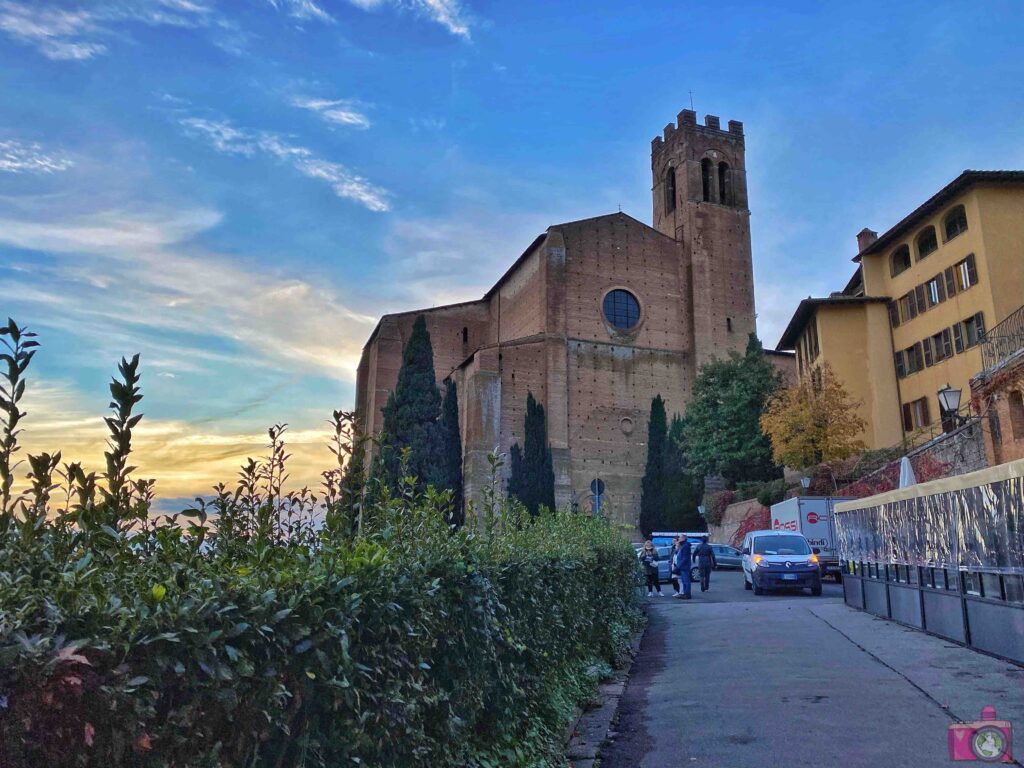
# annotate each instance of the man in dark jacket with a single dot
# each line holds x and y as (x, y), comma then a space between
(705, 561)
(683, 563)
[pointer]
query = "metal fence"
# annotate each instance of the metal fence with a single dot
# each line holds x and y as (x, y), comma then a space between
(1003, 341)
(948, 560)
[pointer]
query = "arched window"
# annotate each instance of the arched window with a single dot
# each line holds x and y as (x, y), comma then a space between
(955, 222)
(465, 335)
(900, 260)
(724, 186)
(706, 171)
(670, 190)
(1017, 414)
(926, 242)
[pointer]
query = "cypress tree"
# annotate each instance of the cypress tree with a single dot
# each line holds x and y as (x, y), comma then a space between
(682, 491)
(411, 413)
(450, 464)
(652, 498)
(533, 475)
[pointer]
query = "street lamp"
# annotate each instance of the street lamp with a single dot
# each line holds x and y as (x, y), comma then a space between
(805, 482)
(949, 404)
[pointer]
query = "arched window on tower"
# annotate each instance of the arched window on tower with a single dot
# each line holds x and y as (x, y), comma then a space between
(670, 190)
(724, 185)
(706, 169)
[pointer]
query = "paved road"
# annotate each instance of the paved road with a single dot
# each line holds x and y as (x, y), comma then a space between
(733, 680)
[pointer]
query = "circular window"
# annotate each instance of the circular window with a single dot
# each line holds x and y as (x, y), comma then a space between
(621, 309)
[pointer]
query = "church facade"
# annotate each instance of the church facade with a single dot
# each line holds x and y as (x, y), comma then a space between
(596, 318)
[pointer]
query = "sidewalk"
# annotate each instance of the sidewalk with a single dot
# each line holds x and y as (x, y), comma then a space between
(731, 680)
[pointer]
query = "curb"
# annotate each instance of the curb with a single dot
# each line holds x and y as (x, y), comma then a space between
(592, 728)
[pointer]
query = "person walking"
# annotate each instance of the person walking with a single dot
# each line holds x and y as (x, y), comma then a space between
(705, 562)
(672, 568)
(649, 559)
(683, 564)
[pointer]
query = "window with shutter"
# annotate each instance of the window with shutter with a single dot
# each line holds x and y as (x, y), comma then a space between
(958, 337)
(922, 302)
(919, 355)
(950, 281)
(908, 418)
(911, 302)
(940, 288)
(928, 361)
(947, 343)
(979, 320)
(901, 367)
(922, 416)
(972, 269)
(894, 314)
(971, 330)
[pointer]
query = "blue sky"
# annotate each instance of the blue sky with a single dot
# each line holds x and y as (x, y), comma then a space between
(238, 189)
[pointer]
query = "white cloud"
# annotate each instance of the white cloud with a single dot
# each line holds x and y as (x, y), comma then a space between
(76, 35)
(302, 9)
(54, 32)
(224, 137)
(29, 157)
(344, 112)
(448, 13)
(109, 264)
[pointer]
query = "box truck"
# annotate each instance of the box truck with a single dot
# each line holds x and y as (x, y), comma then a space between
(813, 516)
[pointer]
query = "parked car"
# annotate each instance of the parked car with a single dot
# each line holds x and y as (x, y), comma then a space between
(779, 560)
(726, 556)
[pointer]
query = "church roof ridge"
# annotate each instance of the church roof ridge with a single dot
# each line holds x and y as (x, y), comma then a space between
(512, 268)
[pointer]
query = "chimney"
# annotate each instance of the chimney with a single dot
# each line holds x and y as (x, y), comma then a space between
(865, 238)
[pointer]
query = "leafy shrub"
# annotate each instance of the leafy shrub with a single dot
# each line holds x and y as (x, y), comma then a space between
(716, 505)
(767, 492)
(273, 628)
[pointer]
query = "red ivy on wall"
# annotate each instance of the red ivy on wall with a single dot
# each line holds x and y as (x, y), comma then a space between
(757, 520)
(926, 467)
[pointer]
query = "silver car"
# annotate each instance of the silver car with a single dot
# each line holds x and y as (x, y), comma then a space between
(726, 556)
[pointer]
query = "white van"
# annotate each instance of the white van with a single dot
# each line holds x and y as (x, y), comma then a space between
(780, 560)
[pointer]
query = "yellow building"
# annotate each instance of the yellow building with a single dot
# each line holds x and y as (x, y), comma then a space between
(909, 321)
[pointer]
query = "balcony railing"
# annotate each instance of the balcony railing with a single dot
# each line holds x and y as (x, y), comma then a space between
(1003, 341)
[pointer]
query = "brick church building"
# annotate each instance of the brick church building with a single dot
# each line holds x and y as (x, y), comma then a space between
(595, 318)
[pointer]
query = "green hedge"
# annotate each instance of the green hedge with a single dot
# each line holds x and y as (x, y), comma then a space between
(411, 646)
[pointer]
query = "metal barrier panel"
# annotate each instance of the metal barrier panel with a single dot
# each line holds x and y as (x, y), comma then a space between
(853, 591)
(905, 605)
(997, 628)
(944, 615)
(875, 599)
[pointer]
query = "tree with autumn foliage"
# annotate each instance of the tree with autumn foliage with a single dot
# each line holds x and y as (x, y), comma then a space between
(813, 422)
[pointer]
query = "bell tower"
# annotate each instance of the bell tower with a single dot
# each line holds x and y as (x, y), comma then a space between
(700, 200)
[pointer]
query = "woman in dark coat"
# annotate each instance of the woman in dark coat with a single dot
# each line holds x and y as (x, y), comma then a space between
(649, 559)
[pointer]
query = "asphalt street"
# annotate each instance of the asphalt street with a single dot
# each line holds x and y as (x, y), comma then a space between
(733, 680)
